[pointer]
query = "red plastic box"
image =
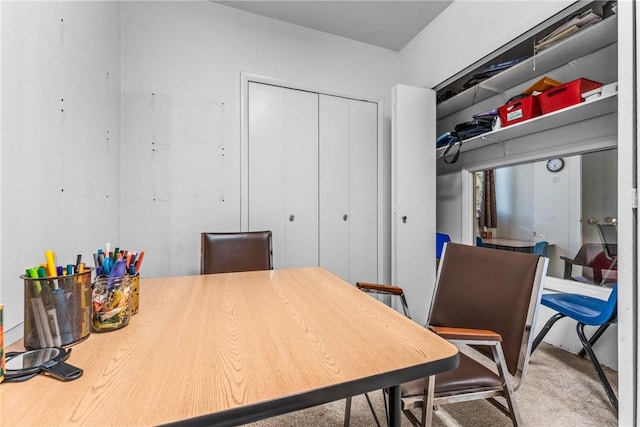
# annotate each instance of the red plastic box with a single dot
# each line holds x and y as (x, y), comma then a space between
(565, 95)
(519, 110)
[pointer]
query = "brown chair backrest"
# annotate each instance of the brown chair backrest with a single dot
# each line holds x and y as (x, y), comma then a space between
(483, 288)
(587, 253)
(231, 252)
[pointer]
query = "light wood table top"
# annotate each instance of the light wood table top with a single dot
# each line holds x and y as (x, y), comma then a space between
(229, 349)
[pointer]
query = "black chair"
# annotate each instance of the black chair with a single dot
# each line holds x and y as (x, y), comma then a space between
(237, 251)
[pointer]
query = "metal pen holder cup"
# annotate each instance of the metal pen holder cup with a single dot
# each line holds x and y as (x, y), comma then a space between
(57, 310)
(111, 303)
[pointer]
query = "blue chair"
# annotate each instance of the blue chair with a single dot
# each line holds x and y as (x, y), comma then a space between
(540, 248)
(441, 239)
(586, 311)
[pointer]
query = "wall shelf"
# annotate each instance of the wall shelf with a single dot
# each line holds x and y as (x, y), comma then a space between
(566, 116)
(565, 51)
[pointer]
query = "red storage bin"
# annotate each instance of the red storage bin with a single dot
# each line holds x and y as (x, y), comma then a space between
(565, 95)
(519, 110)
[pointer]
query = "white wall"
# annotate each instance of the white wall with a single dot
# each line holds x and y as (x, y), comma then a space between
(60, 136)
(535, 204)
(181, 65)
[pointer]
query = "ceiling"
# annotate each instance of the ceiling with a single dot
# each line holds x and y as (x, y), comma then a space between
(388, 24)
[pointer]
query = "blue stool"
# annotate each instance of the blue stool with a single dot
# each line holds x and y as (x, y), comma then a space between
(441, 239)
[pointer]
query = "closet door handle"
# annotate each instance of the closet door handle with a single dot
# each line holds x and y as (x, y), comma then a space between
(404, 219)
(344, 217)
(291, 218)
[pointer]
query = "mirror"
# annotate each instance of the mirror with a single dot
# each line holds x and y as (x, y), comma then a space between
(21, 366)
(31, 359)
(563, 201)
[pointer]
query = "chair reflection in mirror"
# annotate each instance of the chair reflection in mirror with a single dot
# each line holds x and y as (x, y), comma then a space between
(593, 265)
(609, 235)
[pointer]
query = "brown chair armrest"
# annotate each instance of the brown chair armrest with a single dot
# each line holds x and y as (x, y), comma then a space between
(395, 290)
(466, 334)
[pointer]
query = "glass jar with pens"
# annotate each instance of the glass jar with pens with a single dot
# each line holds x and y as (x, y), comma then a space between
(111, 301)
(111, 298)
(115, 295)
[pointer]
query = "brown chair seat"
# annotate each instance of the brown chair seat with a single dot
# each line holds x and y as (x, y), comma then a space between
(470, 374)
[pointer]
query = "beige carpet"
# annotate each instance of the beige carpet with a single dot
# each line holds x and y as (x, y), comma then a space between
(560, 390)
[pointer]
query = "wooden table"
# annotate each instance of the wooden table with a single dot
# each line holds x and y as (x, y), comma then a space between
(227, 349)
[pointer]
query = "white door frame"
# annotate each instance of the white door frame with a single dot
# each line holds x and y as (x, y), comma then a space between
(245, 79)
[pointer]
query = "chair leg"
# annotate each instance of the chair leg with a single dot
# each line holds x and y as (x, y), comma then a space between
(347, 412)
(544, 330)
(596, 364)
(427, 410)
(386, 406)
(427, 406)
(595, 337)
(373, 411)
(514, 413)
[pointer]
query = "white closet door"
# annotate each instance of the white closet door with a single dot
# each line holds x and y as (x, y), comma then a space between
(363, 201)
(413, 196)
(283, 171)
(334, 185)
(348, 187)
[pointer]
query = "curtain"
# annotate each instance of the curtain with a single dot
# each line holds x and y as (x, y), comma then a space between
(488, 212)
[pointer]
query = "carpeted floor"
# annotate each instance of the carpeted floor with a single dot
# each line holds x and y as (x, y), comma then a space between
(560, 389)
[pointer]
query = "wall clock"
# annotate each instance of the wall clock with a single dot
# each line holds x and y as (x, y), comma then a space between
(555, 165)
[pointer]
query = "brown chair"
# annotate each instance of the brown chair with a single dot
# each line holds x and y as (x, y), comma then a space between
(485, 299)
(231, 252)
(376, 289)
(589, 257)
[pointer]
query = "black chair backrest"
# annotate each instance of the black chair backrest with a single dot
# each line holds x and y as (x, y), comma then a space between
(484, 288)
(609, 236)
(232, 252)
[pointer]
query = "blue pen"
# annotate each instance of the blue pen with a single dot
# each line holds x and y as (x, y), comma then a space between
(119, 270)
(107, 265)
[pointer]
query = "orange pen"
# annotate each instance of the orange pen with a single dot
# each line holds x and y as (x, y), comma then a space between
(139, 261)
